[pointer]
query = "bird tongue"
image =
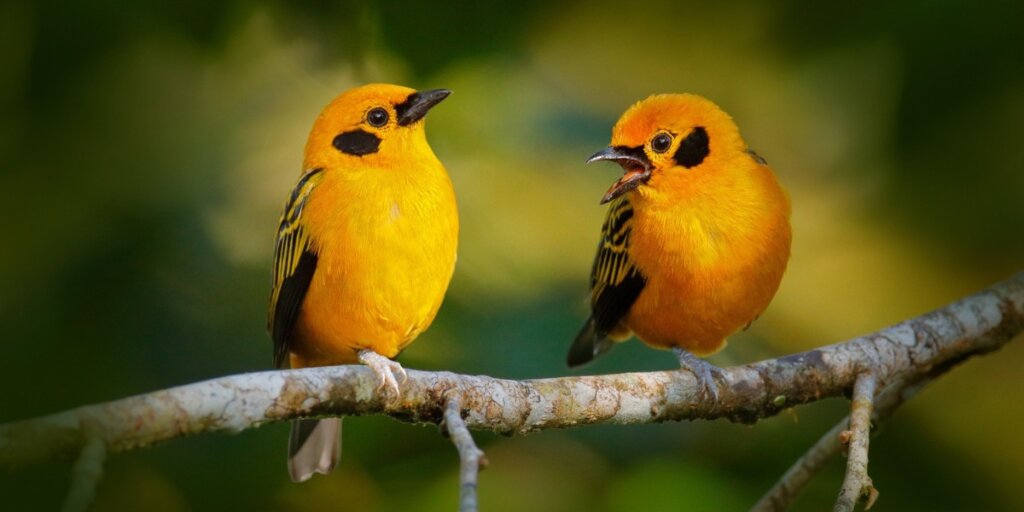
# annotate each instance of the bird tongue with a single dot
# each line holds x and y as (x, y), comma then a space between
(631, 179)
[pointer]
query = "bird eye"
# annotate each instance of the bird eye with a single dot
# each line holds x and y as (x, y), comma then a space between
(377, 117)
(661, 142)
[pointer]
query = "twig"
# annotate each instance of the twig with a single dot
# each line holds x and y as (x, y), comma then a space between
(857, 483)
(782, 494)
(85, 476)
(786, 490)
(471, 459)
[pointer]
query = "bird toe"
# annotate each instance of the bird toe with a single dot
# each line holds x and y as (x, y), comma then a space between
(703, 371)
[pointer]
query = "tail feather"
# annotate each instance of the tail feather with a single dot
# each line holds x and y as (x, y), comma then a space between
(588, 345)
(313, 447)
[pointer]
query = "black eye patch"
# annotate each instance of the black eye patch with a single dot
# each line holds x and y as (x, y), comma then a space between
(693, 149)
(357, 142)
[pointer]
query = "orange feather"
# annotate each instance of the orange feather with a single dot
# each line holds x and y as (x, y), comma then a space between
(708, 236)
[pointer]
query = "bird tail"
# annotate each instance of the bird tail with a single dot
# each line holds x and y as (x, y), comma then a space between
(588, 345)
(313, 447)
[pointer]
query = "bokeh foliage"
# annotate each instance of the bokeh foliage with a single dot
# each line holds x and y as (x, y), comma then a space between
(146, 147)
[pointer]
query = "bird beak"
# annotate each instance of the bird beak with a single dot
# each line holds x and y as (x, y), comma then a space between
(417, 104)
(633, 160)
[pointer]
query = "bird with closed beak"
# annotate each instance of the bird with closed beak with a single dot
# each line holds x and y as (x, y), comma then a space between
(696, 238)
(364, 251)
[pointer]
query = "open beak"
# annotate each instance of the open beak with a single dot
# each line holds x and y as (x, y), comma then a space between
(633, 161)
(418, 104)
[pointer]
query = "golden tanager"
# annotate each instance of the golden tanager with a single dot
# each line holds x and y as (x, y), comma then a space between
(364, 251)
(696, 239)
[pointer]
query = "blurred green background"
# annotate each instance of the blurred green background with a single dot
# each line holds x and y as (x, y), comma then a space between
(146, 148)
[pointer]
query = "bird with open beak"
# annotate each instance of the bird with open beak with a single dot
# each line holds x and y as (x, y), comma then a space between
(696, 238)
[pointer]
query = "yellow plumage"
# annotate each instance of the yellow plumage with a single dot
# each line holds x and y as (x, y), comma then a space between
(365, 247)
(386, 234)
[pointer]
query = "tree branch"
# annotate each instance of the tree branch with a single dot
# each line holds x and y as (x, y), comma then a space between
(471, 459)
(85, 476)
(857, 483)
(785, 491)
(975, 325)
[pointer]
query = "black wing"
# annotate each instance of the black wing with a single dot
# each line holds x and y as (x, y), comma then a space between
(615, 283)
(294, 265)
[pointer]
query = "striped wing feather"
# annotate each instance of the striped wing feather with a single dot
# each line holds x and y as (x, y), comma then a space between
(294, 265)
(615, 283)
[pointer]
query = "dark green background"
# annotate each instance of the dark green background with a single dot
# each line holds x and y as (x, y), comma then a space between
(146, 147)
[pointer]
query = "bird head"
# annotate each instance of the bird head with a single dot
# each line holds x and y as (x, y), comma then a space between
(371, 126)
(670, 138)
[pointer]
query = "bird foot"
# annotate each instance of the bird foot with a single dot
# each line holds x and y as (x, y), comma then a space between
(704, 371)
(385, 369)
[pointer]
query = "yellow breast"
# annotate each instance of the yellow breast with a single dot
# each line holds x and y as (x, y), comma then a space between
(386, 244)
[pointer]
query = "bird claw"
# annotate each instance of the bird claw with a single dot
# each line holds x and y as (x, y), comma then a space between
(385, 369)
(704, 371)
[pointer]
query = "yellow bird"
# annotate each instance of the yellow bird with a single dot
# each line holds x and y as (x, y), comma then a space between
(364, 251)
(696, 239)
